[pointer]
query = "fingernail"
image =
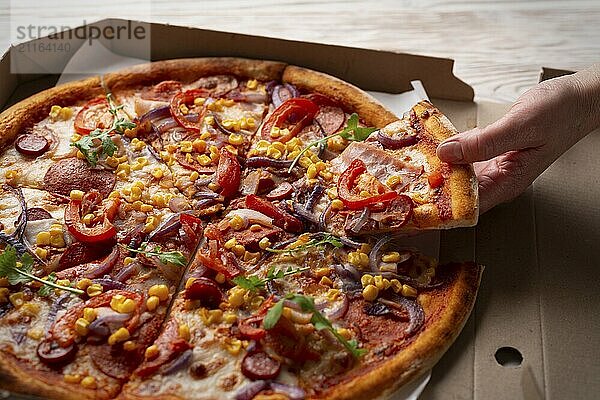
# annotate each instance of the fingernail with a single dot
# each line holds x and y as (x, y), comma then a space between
(450, 151)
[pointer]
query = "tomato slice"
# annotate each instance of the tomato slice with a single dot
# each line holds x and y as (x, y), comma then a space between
(191, 120)
(216, 265)
(229, 173)
(435, 179)
(94, 234)
(280, 218)
(347, 183)
(322, 100)
(293, 114)
(163, 91)
(94, 115)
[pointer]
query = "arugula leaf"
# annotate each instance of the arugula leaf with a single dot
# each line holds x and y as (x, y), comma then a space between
(253, 282)
(88, 143)
(351, 132)
(47, 290)
(319, 321)
(166, 257)
(327, 238)
(21, 271)
(273, 315)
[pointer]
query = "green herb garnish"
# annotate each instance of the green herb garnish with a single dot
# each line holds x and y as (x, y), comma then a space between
(22, 272)
(88, 144)
(165, 257)
(320, 322)
(326, 238)
(254, 283)
(351, 132)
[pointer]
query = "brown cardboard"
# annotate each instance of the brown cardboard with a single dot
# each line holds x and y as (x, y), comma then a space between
(539, 288)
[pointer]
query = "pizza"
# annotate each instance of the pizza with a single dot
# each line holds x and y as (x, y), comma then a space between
(224, 228)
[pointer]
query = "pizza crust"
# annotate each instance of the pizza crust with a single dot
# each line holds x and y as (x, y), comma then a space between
(370, 110)
(190, 69)
(35, 108)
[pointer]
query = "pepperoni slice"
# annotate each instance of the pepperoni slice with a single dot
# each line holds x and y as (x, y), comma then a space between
(330, 118)
(259, 365)
(283, 191)
(75, 174)
(113, 361)
(32, 144)
(37, 213)
(80, 253)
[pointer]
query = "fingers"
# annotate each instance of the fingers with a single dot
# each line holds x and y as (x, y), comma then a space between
(503, 178)
(508, 133)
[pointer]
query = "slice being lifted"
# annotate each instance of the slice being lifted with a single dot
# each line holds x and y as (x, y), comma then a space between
(213, 228)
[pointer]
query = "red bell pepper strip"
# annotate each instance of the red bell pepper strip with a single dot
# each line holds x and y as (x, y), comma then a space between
(297, 112)
(83, 233)
(187, 99)
(280, 218)
(347, 182)
(229, 173)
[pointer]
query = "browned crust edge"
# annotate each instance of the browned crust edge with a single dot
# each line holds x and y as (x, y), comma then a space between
(418, 358)
(370, 110)
(461, 183)
(35, 108)
(15, 376)
(189, 69)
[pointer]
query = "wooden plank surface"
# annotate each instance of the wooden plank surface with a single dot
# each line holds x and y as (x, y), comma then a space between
(499, 46)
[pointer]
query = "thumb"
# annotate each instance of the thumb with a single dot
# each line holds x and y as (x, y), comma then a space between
(511, 132)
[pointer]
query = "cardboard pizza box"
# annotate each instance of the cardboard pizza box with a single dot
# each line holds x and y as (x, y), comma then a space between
(535, 331)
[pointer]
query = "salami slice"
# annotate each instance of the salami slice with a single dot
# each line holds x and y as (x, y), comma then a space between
(37, 213)
(330, 118)
(32, 144)
(75, 174)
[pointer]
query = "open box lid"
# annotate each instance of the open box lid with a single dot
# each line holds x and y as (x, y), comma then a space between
(539, 288)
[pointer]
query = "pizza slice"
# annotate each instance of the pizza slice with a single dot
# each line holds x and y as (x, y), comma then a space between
(308, 322)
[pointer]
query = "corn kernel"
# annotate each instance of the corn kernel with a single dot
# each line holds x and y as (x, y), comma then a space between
(116, 301)
(199, 101)
(210, 120)
(152, 303)
(370, 292)
(186, 146)
(88, 219)
(236, 296)
(378, 281)
(230, 243)
(408, 291)
(146, 208)
(252, 84)
(81, 326)
(160, 291)
(151, 352)
(57, 241)
(204, 160)
(213, 186)
(215, 316)
(84, 283)
(11, 175)
(393, 181)
(42, 239)
(366, 279)
(89, 382)
(251, 122)
(94, 289)
(184, 332)
(89, 314)
(262, 146)
(333, 294)
(220, 278)
(250, 256)
(326, 281)
(184, 109)
(229, 317)
(41, 253)
(17, 299)
(121, 335)
(126, 307)
(393, 256)
(232, 345)
(332, 193)
(396, 285)
(264, 243)
(274, 153)
(337, 205)
(237, 223)
(345, 333)
(128, 260)
(305, 162)
(238, 250)
(72, 378)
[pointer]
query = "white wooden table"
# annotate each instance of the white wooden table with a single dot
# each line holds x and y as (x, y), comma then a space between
(499, 45)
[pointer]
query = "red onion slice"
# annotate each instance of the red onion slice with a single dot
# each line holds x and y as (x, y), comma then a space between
(51, 353)
(292, 392)
(249, 391)
(361, 221)
(177, 364)
(264, 162)
(414, 309)
(284, 92)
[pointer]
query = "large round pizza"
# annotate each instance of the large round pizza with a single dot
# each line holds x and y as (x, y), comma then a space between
(224, 228)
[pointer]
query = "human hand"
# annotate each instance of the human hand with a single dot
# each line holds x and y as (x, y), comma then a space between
(543, 123)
